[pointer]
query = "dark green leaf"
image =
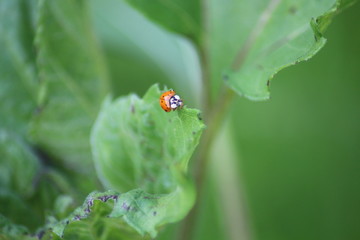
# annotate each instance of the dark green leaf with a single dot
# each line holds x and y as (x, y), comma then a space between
(73, 79)
(18, 164)
(10, 231)
(178, 16)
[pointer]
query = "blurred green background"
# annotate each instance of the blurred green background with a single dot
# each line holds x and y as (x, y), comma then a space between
(298, 154)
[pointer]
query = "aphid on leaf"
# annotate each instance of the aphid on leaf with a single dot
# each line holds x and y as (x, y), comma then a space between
(169, 100)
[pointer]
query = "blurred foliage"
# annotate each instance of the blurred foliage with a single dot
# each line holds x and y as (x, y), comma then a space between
(282, 169)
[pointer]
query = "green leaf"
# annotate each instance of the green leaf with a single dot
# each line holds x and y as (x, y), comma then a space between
(132, 215)
(92, 221)
(17, 61)
(10, 231)
(247, 42)
(163, 57)
(18, 164)
(135, 143)
(74, 82)
(284, 34)
(138, 145)
(178, 16)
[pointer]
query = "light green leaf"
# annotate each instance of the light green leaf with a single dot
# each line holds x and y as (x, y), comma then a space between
(282, 33)
(245, 42)
(132, 215)
(92, 221)
(138, 145)
(73, 78)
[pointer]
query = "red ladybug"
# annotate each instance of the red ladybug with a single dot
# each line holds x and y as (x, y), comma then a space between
(169, 100)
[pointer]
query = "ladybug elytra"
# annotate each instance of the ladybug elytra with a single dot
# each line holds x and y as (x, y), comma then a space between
(169, 100)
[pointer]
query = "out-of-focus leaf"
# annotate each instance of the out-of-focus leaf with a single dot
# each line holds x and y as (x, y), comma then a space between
(73, 78)
(131, 42)
(17, 71)
(138, 145)
(10, 231)
(285, 33)
(62, 205)
(18, 163)
(247, 42)
(183, 17)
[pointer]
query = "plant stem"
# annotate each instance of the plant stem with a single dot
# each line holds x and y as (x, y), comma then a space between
(215, 118)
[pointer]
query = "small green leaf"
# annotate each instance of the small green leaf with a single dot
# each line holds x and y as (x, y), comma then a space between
(73, 79)
(138, 145)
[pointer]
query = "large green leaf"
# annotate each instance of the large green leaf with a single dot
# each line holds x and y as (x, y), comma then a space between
(18, 163)
(17, 61)
(247, 42)
(138, 145)
(73, 79)
(282, 33)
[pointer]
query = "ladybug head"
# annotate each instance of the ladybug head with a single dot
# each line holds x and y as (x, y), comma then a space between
(176, 102)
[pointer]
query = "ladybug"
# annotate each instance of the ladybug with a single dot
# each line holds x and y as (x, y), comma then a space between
(169, 100)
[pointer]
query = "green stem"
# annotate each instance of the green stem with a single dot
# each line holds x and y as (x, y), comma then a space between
(215, 119)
